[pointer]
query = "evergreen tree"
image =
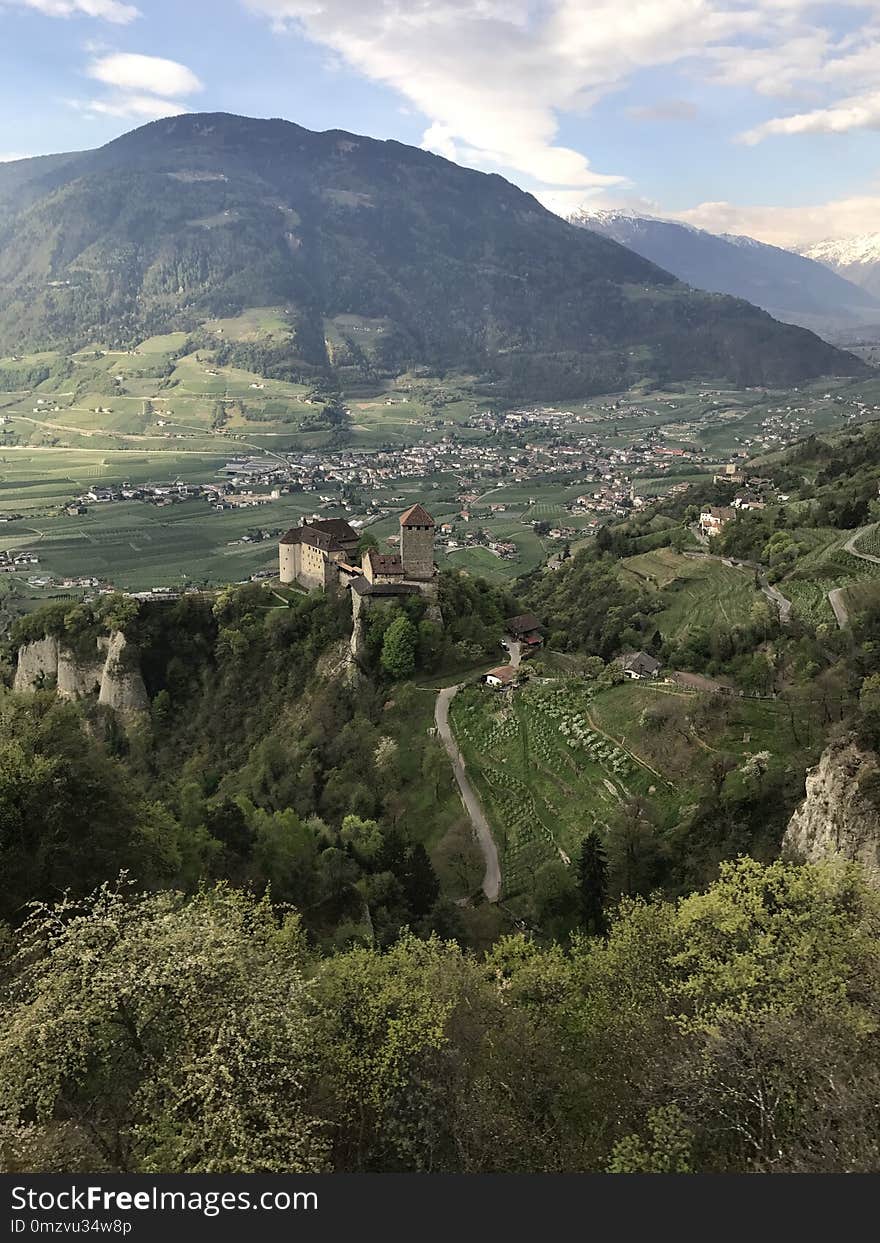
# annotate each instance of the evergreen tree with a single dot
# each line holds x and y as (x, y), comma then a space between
(420, 882)
(399, 648)
(593, 884)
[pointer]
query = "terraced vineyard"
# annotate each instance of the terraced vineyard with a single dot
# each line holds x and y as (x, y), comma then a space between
(869, 542)
(544, 771)
(826, 566)
(556, 758)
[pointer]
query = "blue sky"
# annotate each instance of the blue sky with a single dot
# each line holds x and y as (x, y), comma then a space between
(759, 116)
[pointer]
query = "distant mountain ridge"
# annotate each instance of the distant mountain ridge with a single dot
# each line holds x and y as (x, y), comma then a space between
(855, 258)
(204, 215)
(792, 287)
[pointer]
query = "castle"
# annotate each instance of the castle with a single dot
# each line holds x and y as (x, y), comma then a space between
(322, 555)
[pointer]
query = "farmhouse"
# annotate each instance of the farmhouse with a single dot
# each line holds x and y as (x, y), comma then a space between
(637, 665)
(525, 629)
(502, 677)
(714, 519)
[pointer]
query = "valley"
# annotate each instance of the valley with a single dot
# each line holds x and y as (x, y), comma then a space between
(187, 468)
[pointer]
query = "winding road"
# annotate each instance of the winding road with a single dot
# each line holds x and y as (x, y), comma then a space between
(850, 545)
(492, 875)
(835, 596)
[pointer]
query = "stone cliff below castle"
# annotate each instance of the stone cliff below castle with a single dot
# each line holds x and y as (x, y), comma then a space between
(113, 678)
(840, 816)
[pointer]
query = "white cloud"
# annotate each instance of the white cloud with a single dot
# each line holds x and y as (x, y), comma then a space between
(494, 75)
(138, 107)
(788, 226)
(131, 72)
(857, 112)
(142, 87)
(110, 10)
(9, 157)
(665, 110)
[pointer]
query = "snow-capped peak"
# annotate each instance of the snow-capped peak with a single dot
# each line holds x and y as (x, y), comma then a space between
(607, 215)
(839, 252)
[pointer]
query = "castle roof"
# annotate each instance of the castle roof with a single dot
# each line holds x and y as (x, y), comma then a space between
(328, 534)
(338, 528)
(385, 563)
(317, 538)
(363, 587)
(417, 516)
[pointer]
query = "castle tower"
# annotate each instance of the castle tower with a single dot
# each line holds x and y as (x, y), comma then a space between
(417, 544)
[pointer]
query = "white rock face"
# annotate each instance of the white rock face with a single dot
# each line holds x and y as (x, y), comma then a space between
(122, 686)
(113, 678)
(839, 816)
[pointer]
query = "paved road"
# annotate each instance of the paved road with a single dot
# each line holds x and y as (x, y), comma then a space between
(473, 807)
(850, 545)
(835, 596)
(835, 599)
(776, 597)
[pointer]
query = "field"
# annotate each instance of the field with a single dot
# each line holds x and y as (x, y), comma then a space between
(550, 760)
(698, 593)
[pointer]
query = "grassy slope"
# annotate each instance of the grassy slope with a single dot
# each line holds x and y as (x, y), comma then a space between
(697, 593)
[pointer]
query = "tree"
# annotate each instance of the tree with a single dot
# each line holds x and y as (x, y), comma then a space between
(420, 884)
(366, 542)
(181, 1047)
(593, 885)
(70, 815)
(399, 648)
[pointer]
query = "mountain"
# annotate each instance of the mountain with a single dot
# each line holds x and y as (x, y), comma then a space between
(204, 215)
(856, 258)
(792, 287)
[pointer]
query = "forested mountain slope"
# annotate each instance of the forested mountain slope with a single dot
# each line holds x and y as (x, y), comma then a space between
(204, 215)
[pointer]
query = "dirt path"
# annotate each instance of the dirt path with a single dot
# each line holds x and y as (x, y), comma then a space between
(473, 807)
(637, 759)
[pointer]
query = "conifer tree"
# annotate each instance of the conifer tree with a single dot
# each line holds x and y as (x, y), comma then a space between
(593, 885)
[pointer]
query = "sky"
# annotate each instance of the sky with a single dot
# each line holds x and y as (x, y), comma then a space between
(749, 116)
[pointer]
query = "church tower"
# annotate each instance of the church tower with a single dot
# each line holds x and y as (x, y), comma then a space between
(417, 529)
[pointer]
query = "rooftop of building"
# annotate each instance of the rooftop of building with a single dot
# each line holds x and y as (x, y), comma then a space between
(363, 587)
(504, 673)
(385, 563)
(525, 623)
(417, 516)
(328, 534)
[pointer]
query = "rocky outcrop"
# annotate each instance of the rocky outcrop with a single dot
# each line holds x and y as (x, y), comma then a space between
(840, 816)
(122, 685)
(113, 678)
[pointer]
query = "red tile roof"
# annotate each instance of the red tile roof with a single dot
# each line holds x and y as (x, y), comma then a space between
(504, 673)
(416, 516)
